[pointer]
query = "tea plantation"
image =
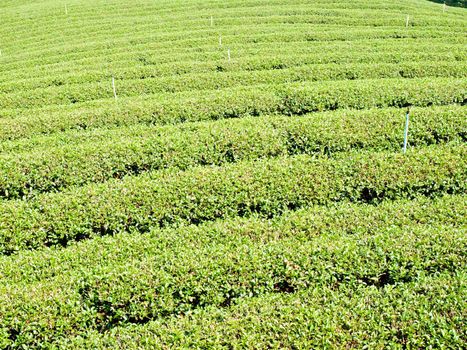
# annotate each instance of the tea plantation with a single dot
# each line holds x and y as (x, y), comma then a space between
(230, 174)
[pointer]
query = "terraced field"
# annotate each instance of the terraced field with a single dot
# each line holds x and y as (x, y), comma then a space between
(229, 174)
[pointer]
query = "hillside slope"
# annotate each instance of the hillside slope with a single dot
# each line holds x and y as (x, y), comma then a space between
(230, 174)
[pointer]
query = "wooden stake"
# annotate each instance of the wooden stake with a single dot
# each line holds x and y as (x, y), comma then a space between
(406, 131)
(113, 87)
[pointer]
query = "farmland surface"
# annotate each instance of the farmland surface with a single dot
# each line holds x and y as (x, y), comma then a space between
(230, 174)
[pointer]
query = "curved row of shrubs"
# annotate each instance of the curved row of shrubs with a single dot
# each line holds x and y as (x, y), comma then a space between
(60, 161)
(146, 63)
(84, 92)
(292, 99)
(220, 273)
(311, 319)
(266, 188)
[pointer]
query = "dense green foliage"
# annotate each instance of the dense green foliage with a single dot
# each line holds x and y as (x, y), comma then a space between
(244, 185)
(198, 105)
(131, 279)
(55, 163)
(318, 318)
(461, 3)
(266, 188)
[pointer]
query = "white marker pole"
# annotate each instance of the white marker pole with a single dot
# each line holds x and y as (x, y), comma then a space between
(444, 7)
(220, 40)
(228, 54)
(407, 21)
(66, 10)
(113, 87)
(212, 21)
(406, 131)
